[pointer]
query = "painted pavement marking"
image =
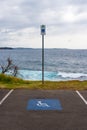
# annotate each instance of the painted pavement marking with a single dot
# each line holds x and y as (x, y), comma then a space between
(44, 104)
(6, 96)
(41, 104)
(81, 97)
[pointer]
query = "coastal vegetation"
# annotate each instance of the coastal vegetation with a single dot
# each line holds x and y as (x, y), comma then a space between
(10, 82)
(9, 67)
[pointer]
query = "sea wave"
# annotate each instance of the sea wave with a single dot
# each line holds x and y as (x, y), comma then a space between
(49, 75)
(52, 76)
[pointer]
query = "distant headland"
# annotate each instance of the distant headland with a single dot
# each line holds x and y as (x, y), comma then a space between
(10, 48)
(7, 48)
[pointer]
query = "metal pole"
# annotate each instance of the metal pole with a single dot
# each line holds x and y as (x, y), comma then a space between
(42, 58)
(43, 32)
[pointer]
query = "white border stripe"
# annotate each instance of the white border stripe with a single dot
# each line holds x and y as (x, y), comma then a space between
(6, 96)
(81, 97)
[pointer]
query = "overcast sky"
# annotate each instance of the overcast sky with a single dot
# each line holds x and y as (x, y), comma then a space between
(65, 20)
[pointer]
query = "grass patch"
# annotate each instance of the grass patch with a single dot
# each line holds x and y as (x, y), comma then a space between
(10, 82)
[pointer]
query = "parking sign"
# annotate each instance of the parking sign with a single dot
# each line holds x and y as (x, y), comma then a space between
(43, 29)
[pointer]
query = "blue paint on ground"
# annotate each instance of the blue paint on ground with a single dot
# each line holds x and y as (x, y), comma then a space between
(44, 104)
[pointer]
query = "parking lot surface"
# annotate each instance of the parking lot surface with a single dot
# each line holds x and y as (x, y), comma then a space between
(14, 114)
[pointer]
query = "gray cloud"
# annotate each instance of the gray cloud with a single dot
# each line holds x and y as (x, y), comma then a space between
(60, 16)
(78, 2)
(25, 13)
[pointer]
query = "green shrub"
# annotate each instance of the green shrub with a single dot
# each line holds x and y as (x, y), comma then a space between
(9, 79)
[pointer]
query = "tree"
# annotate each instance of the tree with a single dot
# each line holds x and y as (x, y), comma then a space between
(15, 72)
(9, 67)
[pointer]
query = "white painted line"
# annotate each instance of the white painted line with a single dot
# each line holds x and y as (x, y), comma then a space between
(6, 96)
(81, 97)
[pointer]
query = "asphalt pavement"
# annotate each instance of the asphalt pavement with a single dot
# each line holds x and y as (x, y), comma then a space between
(14, 114)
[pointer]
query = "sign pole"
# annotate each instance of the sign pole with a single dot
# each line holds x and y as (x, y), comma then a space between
(43, 32)
(42, 59)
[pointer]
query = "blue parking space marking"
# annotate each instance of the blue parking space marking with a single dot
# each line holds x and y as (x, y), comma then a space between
(44, 104)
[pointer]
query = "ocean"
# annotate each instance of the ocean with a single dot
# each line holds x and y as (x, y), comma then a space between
(59, 64)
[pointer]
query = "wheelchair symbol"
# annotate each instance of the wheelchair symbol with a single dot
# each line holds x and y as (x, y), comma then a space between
(41, 104)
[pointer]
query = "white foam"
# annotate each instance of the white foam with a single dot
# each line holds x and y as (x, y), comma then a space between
(72, 75)
(56, 76)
